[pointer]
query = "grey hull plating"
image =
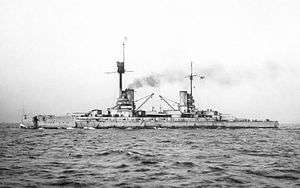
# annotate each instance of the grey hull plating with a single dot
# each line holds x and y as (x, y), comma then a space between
(64, 122)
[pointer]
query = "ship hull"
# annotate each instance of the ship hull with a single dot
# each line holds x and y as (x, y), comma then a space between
(64, 122)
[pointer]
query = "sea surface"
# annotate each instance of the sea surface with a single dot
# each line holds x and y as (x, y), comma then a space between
(150, 158)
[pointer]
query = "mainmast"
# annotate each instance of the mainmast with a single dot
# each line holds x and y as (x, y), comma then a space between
(190, 100)
(191, 78)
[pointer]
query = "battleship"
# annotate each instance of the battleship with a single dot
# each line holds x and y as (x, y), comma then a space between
(126, 114)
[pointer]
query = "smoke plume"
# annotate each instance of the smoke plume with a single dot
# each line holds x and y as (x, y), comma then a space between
(156, 79)
(218, 74)
(214, 74)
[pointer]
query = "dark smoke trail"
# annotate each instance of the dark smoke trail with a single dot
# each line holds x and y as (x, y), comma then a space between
(214, 74)
(156, 79)
(151, 80)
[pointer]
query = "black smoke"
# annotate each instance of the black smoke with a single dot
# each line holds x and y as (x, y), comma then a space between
(156, 79)
(214, 74)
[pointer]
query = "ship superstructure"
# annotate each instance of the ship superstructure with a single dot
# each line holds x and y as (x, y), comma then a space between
(126, 103)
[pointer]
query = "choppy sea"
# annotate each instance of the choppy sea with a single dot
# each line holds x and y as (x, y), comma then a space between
(150, 158)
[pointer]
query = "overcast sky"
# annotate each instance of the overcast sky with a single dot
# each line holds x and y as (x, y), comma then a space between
(53, 54)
